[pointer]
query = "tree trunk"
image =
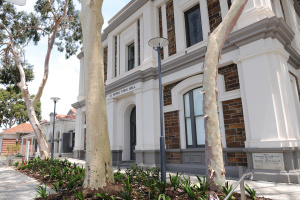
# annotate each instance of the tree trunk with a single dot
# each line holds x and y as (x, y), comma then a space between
(99, 169)
(213, 144)
(40, 137)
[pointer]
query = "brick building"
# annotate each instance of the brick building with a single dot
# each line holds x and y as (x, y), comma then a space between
(20, 134)
(259, 107)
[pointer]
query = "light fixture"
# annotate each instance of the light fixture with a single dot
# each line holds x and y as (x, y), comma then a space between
(55, 99)
(157, 44)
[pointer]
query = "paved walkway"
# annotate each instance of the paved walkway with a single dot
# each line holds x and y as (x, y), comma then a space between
(16, 186)
(275, 191)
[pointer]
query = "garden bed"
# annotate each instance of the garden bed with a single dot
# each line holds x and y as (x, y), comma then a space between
(136, 183)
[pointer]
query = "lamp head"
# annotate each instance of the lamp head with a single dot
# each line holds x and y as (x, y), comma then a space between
(158, 42)
(55, 99)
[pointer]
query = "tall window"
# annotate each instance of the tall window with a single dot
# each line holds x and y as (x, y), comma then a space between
(194, 122)
(193, 26)
(131, 57)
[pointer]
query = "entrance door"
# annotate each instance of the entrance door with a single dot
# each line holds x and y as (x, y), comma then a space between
(132, 133)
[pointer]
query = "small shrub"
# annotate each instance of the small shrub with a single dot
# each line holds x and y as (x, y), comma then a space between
(78, 195)
(163, 197)
(16, 164)
(161, 186)
(251, 192)
(42, 191)
(42, 172)
(175, 180)
(126, 194)
(227, 189)
(203, 186)
(56, 186)
(104, 196)
(189, 191)
(23, 167)
(151, 186)
(118, 176)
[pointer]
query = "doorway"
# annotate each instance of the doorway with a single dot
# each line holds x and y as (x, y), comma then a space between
(132, 133)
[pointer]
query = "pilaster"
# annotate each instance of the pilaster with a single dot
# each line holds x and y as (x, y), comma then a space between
(267, 99)
(149, 30)
(254, 11)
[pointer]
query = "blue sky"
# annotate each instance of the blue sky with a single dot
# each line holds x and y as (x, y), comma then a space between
(63, 80)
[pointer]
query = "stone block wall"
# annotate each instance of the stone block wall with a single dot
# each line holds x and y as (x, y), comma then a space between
(139, 41)
(174, 158)
(172, 134)
(235, 130)
(231, 77)
(214, 13)
(237, 159)
(160, 31)
(171, 27)
(105, 63)
(116, 54)
(167, 93)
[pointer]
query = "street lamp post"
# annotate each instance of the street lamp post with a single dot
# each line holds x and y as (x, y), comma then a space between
(157, 44)
(55, 99)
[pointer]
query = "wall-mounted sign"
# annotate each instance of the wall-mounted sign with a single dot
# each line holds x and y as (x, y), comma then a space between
(268, 161)
(123, 91)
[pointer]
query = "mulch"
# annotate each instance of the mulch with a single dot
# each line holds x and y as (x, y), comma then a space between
(140, 192)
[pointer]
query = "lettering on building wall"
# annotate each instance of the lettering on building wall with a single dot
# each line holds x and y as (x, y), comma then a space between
(123, 91)
(268, 161)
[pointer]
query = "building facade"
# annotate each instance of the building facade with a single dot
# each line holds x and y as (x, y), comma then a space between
(258, 86)
(64, 133)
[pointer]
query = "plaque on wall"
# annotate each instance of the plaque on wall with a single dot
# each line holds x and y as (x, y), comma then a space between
(273, 161)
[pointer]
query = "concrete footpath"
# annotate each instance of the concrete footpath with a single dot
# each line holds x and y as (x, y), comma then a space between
(15, 186)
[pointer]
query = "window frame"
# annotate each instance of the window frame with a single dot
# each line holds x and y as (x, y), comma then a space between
(129, 47)
(187, 30)
(193, 119)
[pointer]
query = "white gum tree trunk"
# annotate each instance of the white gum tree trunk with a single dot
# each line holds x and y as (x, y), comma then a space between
(213, 144)
(99, 169)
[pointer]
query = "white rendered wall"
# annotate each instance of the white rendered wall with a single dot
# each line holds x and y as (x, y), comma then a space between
(266, 95)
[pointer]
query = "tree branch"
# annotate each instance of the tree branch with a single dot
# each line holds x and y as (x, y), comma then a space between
(52, 11)
(64, 13)
(9, 33)
(47, 59)
(38, 28)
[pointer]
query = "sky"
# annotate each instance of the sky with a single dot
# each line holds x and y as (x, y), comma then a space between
(63, 79)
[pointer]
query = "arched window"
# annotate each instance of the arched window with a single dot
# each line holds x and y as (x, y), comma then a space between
(194, 122)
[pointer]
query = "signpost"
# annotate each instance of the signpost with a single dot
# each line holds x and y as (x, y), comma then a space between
(17, 2)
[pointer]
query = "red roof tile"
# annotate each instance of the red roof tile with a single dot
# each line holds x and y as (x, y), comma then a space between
(25, 128)
(66, 117)
(43, 122)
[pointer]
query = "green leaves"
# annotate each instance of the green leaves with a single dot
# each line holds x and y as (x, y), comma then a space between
(251, 192)
(13, 108)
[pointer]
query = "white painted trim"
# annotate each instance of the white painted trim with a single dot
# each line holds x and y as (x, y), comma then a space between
(234, 94)
(204, 18)
(224, 8)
